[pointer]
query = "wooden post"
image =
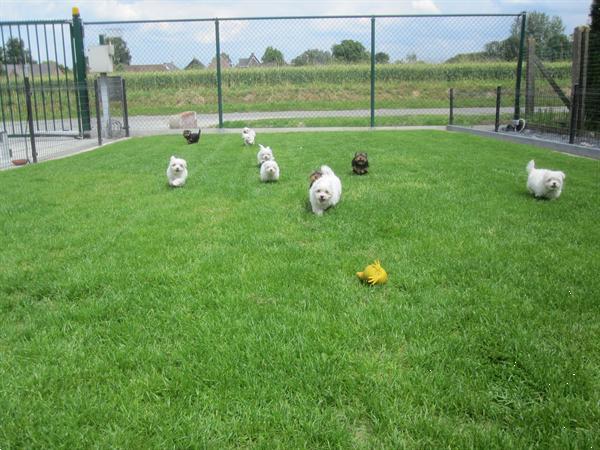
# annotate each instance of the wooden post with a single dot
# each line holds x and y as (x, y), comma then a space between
(530, 78)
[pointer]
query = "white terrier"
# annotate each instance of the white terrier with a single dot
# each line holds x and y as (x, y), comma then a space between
(269, 171)
(544, 183)
(325, 191)
(248, 136)
(177, 171)
(264, 154)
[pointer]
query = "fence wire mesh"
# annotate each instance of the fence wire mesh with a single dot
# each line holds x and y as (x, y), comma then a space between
(560, 97)
(311, 71)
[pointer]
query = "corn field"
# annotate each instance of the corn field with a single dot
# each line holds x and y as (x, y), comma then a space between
(335, 74)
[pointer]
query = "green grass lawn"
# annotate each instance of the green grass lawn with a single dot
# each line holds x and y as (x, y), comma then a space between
(225, 315)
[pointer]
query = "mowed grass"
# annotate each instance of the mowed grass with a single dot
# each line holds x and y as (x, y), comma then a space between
(225, 315)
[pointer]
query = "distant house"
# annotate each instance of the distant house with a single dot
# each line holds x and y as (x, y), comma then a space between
(252, 61)
(32, 69)
(164, 67)
(225, 62)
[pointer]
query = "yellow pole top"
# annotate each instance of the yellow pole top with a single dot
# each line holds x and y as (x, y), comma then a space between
(75, 11)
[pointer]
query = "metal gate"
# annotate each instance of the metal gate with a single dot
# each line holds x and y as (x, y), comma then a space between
(49, 55)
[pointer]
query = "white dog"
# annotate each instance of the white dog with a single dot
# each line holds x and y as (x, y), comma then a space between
(325, 191)
(177, 171)
(544, 183)
(269, 171)
(248, 136)
(264, 154)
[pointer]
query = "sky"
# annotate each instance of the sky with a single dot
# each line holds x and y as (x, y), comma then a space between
(432, 40)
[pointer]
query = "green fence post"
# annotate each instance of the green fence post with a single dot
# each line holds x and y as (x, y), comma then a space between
(79, 71)
(219, 87)
(517, 114)
(372, 72)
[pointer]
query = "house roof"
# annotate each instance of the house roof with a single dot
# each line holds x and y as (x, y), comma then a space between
(34, 69)
(249, 62)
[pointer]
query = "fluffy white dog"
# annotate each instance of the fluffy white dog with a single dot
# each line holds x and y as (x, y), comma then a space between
(544, 183)
(177, 171)
(248, 136)
(269, 171)
(264, 154)
(325, 191)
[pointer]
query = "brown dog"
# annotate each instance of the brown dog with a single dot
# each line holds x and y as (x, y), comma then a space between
(360, 163)
(191, 137)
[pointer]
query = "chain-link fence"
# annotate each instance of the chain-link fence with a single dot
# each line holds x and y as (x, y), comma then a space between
(306, 71)
(560, 102)
(470, 70)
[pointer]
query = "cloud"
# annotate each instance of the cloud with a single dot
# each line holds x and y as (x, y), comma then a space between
(424, 7)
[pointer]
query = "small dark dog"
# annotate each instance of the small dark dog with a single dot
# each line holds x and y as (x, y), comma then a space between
(314, 177)
(190, 137)
(360, 163)
(517, 125)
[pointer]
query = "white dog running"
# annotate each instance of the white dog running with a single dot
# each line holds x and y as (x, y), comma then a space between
(177, 171)
(543, 182)
(269, 171)
(248, 136)
(325, 192)
(264, 154)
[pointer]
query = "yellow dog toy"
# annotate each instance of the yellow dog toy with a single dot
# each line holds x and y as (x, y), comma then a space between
(373, 274)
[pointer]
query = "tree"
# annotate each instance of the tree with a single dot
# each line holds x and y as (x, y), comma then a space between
(122, 55)
(593, 71)
(349, 51)
(550, 41)
(382, 58)
(273, 57)
(14, 52)
(194, 64)
(313, 57)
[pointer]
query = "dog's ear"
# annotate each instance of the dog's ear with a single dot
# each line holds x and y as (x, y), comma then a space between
(172, 157)
(562, 175)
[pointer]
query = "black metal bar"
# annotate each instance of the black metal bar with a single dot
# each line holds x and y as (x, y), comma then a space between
(1, 96)
(517, 114)
(76, 82)
(219, 87)
(30, 118)
(60, 106)
(49, 79)
(62, 31)
(30, 22)
(451, 118)
(33, 79)
(16, 87)
(372, 72)
(8, 90)
(98, 119)
(573, 114)
(222, 19)
(125, 111)
(2, 110)
(37, 42)
(498, 102)
(79, 66)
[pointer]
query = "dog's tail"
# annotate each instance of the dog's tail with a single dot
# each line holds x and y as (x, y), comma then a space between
(326, 170)
(530, 166)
